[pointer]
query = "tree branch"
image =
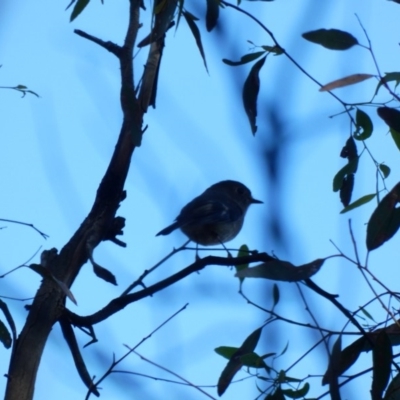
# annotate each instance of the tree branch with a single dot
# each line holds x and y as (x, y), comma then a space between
(49, 302)
(70, 338)
(110, 46)
(119, 303)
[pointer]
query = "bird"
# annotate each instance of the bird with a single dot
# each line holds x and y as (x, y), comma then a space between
(216, 216)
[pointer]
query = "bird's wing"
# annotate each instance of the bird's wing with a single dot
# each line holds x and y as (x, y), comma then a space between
(208, 212)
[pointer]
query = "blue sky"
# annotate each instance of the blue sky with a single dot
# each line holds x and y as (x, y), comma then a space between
(55, 149)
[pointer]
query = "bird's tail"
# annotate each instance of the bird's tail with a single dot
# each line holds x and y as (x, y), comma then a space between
(169, 229)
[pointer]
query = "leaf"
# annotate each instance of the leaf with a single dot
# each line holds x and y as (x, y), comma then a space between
(212, 14)
(192, 16)
(349, 150)
(163, 14)
(333, 372)
(45, 273)
(277, 395)
(78, 8)
(297, 394)
(275, 294)
(284, 349)
(282, 270)
(31, 92)
(389, 77)
(347, 358)
(180, 12)
(5, 336)
(362, 200)
(349, 168)
(235, 362)
(251, 88)
(347, 189)
(196, 33)
(251, 342)
(393, 390)
(367, 314)
(65, 289)
(70, 4)
(351, 353)
(396, 137)
(382, 359)
(346, 81)
(391, 116)
(385, 170)
(365, 343)
(333, 39)
(245, 59)
(274, 49)
(283, 378)
(243, 251)
(267, 355)
(363, 123)
(385, 220)
(251, 360)
(226, 351)
(159, 6)
(103, 273)
(9, 318)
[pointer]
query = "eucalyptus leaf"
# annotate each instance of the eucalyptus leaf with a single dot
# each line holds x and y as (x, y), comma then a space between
(251, 88)
(78, 8)
(362, 200)
(364, 125)
(333, 39)
(391, 116)
(244, 59)
(389, 77)
(190, 19)
(385, 220)
(385, 170)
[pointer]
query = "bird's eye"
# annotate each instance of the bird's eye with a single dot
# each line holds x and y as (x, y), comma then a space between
(240, 191)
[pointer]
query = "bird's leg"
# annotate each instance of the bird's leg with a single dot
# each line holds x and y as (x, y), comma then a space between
(197, 252)
(229, 254)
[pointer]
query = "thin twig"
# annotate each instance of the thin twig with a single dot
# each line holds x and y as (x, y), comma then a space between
(131, 350)
(22, 265)
(278, 317)
(353, 240)
(175, 374)
(44, 235)
(139, 281)
(369, 48)
(323, 337)
(272, 36)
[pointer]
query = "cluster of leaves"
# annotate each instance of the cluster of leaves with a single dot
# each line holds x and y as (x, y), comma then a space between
(383, 224)
(279, 384)
(380, 342)
(384, 221)
(245, 356)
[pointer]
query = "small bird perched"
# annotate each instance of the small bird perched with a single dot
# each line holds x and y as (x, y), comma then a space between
(216, 216)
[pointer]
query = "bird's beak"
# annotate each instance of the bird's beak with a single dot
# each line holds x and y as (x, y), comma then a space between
(254, 201)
